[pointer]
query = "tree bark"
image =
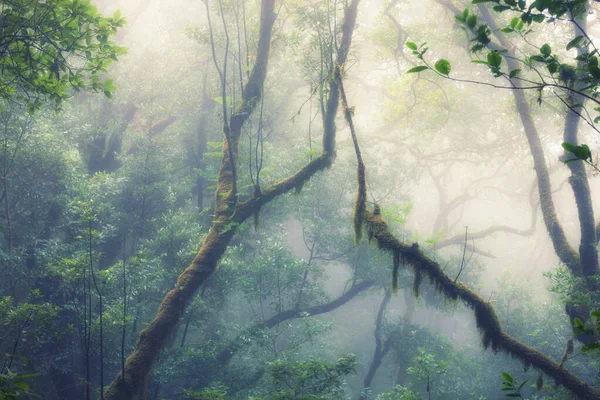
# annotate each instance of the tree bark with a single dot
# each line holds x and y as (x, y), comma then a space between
(152, 339)
(228, 213)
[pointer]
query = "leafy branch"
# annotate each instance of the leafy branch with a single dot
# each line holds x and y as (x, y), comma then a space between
(510, 388)
(581, 153)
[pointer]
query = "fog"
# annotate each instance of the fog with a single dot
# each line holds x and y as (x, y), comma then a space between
(203, 230)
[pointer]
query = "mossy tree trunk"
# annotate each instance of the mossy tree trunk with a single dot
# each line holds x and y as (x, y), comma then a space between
(229, 213)
(486, 318)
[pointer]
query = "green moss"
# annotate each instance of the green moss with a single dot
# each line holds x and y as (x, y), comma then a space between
(360, 202)
(486, 319)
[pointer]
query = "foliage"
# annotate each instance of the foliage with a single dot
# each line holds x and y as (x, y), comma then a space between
(50, 48)
(561, 78)
(14, 386)
(593, 331)
(310, 379)
(206, 394)
(399, 393)
(510, 387)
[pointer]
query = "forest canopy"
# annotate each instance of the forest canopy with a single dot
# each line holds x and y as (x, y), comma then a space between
(332, 199)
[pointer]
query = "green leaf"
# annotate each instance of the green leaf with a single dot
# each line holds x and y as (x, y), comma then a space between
(494, 59)
(472, 21)
(522, 384)
(479, 62)
(538, 17)
(507, 29)
(568, 147)
(553, 67)
(514, 73)
(507, 377)
(443, 67)
(417, 69)
(575, 42)
(584, 153)
(411, 45)
(501, 8)
(537, 58)
(514, 22)
(546, 50)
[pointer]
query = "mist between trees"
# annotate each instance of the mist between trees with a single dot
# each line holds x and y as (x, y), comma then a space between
(329, 199)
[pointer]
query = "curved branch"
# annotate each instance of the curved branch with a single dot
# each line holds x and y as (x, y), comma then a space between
(236, 344)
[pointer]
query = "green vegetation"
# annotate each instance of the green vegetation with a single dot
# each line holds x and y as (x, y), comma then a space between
(383, 200)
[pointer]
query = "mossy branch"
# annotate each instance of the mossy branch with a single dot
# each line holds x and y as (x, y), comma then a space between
(485, 316)
(323, 161)
(361, 179)
(228, 214)
(130, 383)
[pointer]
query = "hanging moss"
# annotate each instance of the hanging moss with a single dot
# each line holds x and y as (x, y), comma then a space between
(488, 325)
(486, 319)
(417, 282)
(395, 272)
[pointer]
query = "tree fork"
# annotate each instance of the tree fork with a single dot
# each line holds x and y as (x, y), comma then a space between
(152, 339)
(228, 212)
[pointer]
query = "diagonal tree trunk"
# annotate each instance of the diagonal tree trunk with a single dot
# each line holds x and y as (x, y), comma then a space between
(228, 213)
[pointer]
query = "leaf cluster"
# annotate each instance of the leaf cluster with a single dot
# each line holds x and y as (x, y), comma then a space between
(52, 48)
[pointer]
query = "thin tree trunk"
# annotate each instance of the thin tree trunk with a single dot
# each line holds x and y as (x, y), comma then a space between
(379, 345)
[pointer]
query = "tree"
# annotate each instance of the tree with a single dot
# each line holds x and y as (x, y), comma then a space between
(571, 85)
(229, 212)
(50, 49)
